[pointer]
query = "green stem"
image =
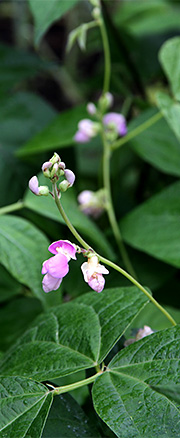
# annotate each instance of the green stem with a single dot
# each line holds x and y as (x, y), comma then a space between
(107, 57)
(13, 207)
(108, 262)
(137, 131)
(110, 209)
(72, 386)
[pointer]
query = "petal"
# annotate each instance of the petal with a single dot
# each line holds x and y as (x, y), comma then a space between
(57, 266)
(85, 197)
(44, 267)
(34, 185)
(69, 175)
(50, 283)
(84, 269)
(64, 247)
(101, 269)
(97, 282)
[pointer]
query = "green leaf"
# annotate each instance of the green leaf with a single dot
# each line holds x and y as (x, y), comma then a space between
(9, 287)
(45, 16)
(157, 145)
(67, 419)
(23, 248)
(170, 110)
(17, 66)
(153, 227)
(59, 133)
(73, 336)
(130, 398)
(23, 405)
(23, 115)
(144, 18)
(116, 309)
(64, 341)
(15, 318)
(170, 61)
(47, 207)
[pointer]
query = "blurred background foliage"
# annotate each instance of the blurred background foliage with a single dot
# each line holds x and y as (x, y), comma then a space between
(43, 95)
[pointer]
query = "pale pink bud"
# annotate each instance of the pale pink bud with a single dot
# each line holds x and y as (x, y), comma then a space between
(70, 177)
(91, 108)
(118, 120)
(34, 185)
(46, 166)
(146, 331)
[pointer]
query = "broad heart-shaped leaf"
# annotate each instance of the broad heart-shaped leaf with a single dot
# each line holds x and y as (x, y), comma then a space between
(171, 111)
(57, 134)
(157, 145)
(153, 227)
(170, 61)
(73, 336)
(134, 396)
(47, 207)
(67, 419)
(45, 16)
(116, 309)
(23, 248)
(24, 406)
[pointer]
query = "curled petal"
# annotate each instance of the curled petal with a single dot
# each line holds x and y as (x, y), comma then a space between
(56, 266)
(101, 269)
(64, 247)
(97, 282)
(50, 283)
(34, 185)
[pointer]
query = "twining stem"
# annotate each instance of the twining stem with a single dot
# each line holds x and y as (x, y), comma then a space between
(72, 386)
(110, 209)
(107, 57)
(136, 131)
(13, 207)
(108, 262)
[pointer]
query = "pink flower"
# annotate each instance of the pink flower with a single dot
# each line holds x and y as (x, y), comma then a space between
(70, 177)
(118, 120)
(92, 271)
(57, 267)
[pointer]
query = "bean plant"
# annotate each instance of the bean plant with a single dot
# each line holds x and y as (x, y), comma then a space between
(90, 221)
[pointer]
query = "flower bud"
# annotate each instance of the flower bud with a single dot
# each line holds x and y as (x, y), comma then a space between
(46, 166)
(70, 177)
(64, 185)
(94, 2)
(91, 108)
(43, 190)
(55, 159)
(54, 170)
(96, 13)
(34, 185)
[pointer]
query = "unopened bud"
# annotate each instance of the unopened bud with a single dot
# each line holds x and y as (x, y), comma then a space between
(64, 185)
(91, 108)
(96, 13)
(43, 190)
(54, 170)
(55, 159)
(70, 177)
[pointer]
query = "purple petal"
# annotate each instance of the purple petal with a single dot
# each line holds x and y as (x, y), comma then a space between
(57, 266)
(97, 282)
(85, 197)
(87, 127)
(67, 248)
(69, 175)
(50, 283)
(34, 185)
(81, 137)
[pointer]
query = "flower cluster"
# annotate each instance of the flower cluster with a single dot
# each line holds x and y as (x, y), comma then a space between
(114, 123)
(56, 268)
(53, 169)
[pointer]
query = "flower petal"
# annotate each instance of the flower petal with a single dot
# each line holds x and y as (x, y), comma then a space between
(97, 282)
(64, 247)
(34, 185)
(57, 266)
(50, 283)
